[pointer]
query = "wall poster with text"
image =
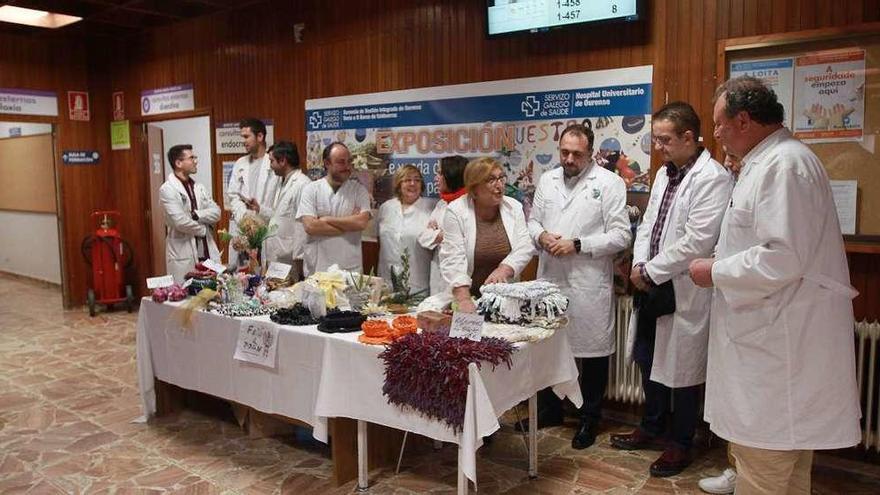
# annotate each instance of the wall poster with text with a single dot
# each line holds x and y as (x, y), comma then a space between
(517, 121)
(829, 96)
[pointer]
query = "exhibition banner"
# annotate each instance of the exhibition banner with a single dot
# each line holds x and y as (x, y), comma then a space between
(517, 121)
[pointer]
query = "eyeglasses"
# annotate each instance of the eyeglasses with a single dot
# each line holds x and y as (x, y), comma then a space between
(495, 179)
(661, 140)
(193, 157)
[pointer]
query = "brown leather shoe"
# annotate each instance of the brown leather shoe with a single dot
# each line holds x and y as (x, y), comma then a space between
(636, 440)
(673, 461)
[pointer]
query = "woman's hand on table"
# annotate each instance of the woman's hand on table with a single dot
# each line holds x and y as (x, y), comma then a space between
(500, 275)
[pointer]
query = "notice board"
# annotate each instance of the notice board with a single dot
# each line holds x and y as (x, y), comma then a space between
(829, 83)
(27, 165)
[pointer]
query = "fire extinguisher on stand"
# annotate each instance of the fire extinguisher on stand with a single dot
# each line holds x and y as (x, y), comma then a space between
(109, 256)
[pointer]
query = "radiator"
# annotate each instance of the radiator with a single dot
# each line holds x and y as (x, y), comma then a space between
(625, 384)
(868, 374)
(624, 380)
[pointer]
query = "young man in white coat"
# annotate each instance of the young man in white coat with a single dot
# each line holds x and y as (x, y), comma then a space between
(287, 236)
(781, 380)
(670, 327)
(190, 215)
(252, 179)
(334, 211)
(578, 223)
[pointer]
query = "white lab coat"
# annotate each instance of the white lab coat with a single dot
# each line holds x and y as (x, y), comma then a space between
(287, 235)
(243, 173)
(428, 240)
(691, 231)
(319, 200)
(181, 250)
(459, 239)
(781, 354)
(399, 229)
(594, 212)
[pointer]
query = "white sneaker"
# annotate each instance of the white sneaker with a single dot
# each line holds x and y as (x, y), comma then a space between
(726, 483)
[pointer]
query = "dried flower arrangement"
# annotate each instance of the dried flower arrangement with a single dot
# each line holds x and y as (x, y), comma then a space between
(401, 292)
(428, 372)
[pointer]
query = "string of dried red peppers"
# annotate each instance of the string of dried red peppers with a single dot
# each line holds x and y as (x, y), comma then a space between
(428, 372)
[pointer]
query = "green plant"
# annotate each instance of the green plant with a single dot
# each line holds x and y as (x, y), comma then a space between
(401, 293)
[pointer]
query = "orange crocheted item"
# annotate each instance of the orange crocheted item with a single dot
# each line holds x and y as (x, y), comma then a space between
(403, 325)
(376, 332)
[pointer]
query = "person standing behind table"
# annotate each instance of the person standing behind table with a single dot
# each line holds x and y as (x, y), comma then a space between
(287, 236)
(334, 211)
(781, 380)
(671, 324)
(450, 182)
(485, 237)
(579, 222)
(400, 221)
(190, 215)
(252, 180)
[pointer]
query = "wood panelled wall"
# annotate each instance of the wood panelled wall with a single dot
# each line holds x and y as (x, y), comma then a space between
(60, 64)
(246, 62)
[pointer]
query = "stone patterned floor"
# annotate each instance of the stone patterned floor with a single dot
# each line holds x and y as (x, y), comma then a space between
(68, 395)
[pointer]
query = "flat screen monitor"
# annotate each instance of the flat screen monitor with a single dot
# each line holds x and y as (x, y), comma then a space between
(512, 16)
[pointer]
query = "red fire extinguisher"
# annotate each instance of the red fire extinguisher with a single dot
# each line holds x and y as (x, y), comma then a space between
(109, 255)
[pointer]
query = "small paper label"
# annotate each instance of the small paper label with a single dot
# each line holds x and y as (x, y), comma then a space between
(278, 270)
(214, 266)
(156, 282)
(186, 283)
(467, 326)
(257, 343)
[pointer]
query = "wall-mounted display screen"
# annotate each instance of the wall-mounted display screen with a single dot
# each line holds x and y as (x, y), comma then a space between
(510, 16)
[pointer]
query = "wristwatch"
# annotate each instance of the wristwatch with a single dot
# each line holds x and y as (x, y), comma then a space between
(577, 245)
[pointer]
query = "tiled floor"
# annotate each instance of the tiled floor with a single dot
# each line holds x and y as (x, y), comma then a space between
(68, 395)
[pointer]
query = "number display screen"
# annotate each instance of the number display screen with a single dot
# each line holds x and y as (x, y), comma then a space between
(510, 16)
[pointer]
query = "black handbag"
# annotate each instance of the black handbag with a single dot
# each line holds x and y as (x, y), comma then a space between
(656, 301)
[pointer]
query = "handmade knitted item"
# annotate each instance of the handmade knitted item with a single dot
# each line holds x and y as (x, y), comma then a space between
(521, 302)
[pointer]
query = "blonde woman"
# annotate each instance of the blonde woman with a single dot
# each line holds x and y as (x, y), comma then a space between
(485, 237)
(400, 221)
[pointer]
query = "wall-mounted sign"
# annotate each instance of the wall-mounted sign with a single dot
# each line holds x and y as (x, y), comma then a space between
(120, 138)
(28, 102)
(118, 105)
(78, 105)
(229, 141)
(168, 100)
(80, 157)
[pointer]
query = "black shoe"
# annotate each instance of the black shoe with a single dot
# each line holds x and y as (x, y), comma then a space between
(585, 436)
(545, 419)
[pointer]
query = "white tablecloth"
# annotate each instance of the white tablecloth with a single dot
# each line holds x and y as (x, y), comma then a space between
(321, 376)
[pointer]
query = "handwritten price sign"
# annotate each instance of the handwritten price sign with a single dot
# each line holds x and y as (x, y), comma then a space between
(257, 343)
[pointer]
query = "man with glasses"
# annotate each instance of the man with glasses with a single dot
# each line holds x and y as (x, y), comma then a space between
(579, 222)
(669, 329)
(190, 215)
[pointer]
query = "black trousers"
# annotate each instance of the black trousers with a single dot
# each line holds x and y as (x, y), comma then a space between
(593, 381)
(682, 404)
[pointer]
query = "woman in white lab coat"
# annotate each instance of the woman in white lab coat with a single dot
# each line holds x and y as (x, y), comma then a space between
(485, 237)
(400, 221)
(450, 182)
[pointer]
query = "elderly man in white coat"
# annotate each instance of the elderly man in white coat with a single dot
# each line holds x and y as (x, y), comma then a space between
(579, 222)
(485, 238)
(252, 180)
(781, 380)
(190, 215)
(671, 324)
(287, 236)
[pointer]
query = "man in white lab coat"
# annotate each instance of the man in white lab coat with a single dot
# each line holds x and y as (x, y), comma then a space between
(287, 236)
(334, 211)
(190, 215)
(252, 179)
(781, 380)
(579, 222)
(671, 324)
